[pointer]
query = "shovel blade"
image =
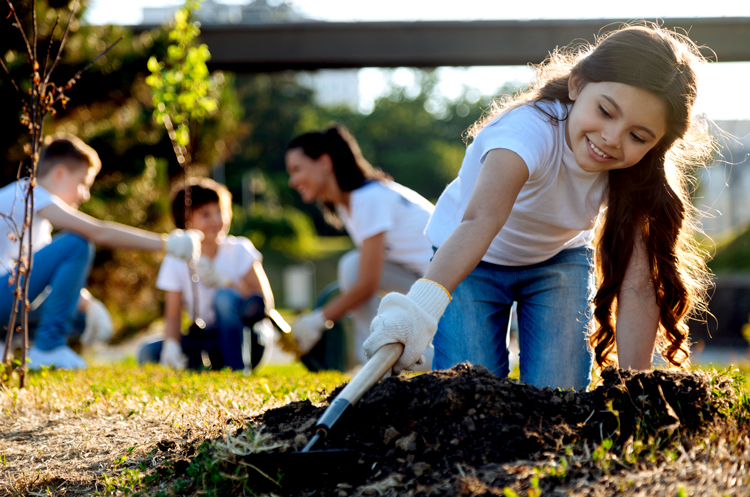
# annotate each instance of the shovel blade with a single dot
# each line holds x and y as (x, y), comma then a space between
(305, 469)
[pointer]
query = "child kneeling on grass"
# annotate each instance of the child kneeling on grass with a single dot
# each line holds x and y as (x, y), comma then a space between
(605, 135)
(65, 172)
(233, 290)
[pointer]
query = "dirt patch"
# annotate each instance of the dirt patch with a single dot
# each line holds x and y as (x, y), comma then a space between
(459, 432)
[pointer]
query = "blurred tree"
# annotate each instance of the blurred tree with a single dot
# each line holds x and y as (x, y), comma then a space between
(111, 111)
(732, 255)
(275, 106)
(184, 93)
(420, 149)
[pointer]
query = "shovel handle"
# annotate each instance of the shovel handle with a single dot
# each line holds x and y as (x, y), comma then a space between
(371, 372)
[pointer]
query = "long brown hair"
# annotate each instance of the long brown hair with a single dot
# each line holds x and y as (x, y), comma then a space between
(350, 167)
(652, 196)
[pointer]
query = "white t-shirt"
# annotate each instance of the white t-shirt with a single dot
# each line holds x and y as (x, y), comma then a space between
(400, 213)
(556, 209)
(11, 211)
(234, 258)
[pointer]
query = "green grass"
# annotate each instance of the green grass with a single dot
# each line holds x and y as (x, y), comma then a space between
(122, 412)
(154, 404)
(130, 388)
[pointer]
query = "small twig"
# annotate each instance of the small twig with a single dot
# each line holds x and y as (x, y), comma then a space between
(49, 49)
(43, 96)
(11, 270)
(78, 74)
(9, 76)
(62, 41)
(183, 157)
(61, 90)
(20, 28)
(33, 28)
(179, 150)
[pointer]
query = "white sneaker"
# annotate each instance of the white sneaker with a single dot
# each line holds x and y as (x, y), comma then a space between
(61, 357)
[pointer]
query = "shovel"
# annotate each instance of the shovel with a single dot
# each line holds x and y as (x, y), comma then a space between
(322, 463)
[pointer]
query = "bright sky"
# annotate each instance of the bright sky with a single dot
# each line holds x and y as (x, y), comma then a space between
(722, 87)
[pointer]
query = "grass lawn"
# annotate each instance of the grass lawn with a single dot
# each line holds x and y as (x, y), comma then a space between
(78, 433)
(115, 430)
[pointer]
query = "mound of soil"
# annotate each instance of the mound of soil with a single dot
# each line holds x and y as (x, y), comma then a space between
(420, 435)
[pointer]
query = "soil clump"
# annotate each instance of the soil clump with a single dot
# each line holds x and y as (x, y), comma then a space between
(424, 435)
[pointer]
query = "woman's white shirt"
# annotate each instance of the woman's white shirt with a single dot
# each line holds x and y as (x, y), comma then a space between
(398, 212)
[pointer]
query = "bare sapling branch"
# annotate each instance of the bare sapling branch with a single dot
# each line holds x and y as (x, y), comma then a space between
(49, 47)
(13, 82)
(43, 96)
(62, 41)
(18, 25)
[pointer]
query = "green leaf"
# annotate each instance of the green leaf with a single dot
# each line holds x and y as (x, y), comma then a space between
(153, 65)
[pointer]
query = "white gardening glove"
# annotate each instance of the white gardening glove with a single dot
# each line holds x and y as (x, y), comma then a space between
(409, 319)
(171, 354)
(209, 275)
(184, 244)
(308, 328)
(98, 324)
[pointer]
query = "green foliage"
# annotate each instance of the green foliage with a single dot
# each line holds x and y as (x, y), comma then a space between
(111, 110)
(418, 138)
(282, 229)
(274, 105)
(183, 90)
(533, 491)
(126, 481)
(107, 85)
(601, 454)
(419, 148)
(733, 254)
(555, 472)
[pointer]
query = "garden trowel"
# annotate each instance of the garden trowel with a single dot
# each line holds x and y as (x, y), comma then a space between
(322, 462)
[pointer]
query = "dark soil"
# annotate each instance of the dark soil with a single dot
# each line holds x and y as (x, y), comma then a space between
(423, 435)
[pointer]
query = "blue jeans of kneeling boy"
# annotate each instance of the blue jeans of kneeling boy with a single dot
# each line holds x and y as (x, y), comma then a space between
(554, 314)
(222, 341)
(64, 266)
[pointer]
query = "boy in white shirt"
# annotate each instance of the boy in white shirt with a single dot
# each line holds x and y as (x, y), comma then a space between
(65, 171)
(233, 290)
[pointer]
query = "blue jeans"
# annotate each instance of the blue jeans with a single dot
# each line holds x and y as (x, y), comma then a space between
(222, 341)
(554, 313)
(63, 265)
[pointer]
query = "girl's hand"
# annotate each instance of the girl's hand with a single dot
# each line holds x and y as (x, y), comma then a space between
(171, 354)
(410, 319)
(208, 275)
(308, 329)
(184, 244)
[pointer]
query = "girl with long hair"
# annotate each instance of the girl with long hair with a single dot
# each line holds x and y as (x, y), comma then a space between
(604, 137)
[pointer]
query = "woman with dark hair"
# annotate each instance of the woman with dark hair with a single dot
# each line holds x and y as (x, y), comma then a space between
(604, 137)
(385, 220)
